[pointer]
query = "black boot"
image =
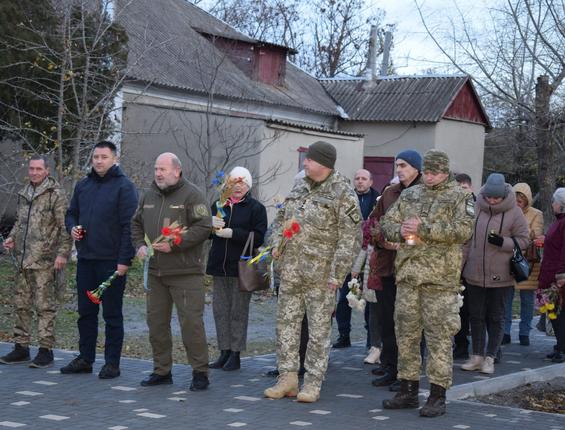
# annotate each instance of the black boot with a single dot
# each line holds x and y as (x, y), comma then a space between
(219, 363)
(343, 341)
(406, 398)
(233, 362)
(43, 359)
(20, 354)
(435, 405)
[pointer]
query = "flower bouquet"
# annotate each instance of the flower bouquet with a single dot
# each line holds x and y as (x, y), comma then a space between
(172, 235)
(549, 301)
(95, 295)
(224, 184)
(354, 298)
(291, 229)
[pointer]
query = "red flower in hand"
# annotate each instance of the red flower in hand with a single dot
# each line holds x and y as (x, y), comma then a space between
(166, 231)
(93, 298)
(177, 240)
(287, 233)
(295, 227)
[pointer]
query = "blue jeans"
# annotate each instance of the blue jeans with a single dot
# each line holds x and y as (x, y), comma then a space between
(526, 311)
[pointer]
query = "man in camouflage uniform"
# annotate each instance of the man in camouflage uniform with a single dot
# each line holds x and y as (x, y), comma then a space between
(41, 246)
(432, 220)
(313, 263)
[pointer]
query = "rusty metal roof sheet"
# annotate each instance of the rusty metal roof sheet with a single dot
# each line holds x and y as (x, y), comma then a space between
(408, 98)
(166, 48)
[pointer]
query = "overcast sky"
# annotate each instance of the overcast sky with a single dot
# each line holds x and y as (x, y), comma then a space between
(413, 50)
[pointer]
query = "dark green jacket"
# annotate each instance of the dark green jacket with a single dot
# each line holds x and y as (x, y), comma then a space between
(183, 203)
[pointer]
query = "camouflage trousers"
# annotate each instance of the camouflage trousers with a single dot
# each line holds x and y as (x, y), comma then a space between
(318, 302)
(433, 311)
(36, 288)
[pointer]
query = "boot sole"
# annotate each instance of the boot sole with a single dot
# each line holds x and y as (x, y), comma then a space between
(302, 400)
(427, 415)
(40, 366)
(15, 362)
(74, 372)
(289, 394)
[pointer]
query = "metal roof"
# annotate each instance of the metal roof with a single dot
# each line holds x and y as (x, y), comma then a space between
(166, 48)
(402, 98)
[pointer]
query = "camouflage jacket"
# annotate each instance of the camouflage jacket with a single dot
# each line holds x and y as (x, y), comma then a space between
(447, 214)
(39, 232)
(330, 230)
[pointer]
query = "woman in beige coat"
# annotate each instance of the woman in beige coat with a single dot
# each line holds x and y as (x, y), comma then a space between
(534, 217)
(487, 267)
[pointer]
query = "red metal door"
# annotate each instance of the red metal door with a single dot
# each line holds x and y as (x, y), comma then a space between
(382, 169)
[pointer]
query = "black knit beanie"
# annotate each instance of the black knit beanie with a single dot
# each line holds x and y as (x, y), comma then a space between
(323, 153)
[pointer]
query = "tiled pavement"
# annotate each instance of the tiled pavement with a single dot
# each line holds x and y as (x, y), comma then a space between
(45, 399)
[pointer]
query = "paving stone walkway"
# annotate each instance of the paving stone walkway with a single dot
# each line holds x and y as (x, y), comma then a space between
(46, 399)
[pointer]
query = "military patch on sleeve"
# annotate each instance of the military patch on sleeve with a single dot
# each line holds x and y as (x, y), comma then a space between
(200, 211)
(353, 213)
(470, 206)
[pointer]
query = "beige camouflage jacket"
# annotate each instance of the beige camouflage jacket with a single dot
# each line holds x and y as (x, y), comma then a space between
(39, 232)
(330, 231)
(447, 214)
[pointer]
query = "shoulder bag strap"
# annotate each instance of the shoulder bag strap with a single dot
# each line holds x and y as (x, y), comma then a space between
(250, 240)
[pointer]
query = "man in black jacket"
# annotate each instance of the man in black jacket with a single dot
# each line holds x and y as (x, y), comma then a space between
(175, 271)
(99, 219)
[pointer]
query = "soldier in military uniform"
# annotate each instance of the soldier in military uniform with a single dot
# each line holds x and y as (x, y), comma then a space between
(313, 263)
(41, 247)
(432, 221)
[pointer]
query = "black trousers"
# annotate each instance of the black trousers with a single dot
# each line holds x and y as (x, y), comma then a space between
(386, 299)
(487, 308)
(90, 274)
(559, 329)
(303, 340)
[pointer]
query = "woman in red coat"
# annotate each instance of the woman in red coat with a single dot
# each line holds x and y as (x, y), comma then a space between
(552, 269)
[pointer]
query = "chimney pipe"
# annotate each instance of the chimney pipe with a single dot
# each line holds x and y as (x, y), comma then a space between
(372, 60)
(386, 52)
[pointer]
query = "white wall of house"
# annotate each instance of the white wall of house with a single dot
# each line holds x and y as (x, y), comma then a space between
(287, 140)
(465, 144)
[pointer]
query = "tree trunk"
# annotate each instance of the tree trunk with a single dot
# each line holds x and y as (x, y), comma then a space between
(545, 147)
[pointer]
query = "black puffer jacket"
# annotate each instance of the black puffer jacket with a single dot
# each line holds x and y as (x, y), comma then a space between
(246, 216)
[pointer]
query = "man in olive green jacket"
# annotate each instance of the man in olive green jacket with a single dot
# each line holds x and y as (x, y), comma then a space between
(41, 246)
(175, 270)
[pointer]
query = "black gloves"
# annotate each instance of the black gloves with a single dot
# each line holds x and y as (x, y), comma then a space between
(495, 239)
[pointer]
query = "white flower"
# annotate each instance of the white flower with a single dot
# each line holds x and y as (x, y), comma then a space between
(355, 302)
(460, 300)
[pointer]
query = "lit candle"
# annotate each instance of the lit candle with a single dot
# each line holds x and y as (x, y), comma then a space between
(410, 240)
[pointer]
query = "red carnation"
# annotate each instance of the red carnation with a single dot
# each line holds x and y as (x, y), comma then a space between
(287, 233)
(295, 227)
(177, 240)
(94, 299)
(166, 231)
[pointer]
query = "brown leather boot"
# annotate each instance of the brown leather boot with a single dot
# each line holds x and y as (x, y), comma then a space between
(435, 405)
(406, 398)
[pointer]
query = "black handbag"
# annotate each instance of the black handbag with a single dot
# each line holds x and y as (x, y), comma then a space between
(252, 277)
(519, 266)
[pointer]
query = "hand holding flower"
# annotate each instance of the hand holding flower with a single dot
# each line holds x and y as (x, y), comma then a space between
(162, 247)
(122, 269)
(142, 252)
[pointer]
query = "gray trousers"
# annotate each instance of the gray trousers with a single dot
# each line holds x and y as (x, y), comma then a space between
(186, 292)
(231, 313)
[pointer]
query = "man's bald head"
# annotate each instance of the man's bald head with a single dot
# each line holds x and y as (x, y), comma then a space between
(363, 181)
(168, 170)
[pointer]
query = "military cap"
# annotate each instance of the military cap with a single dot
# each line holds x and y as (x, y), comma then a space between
(436, 161)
